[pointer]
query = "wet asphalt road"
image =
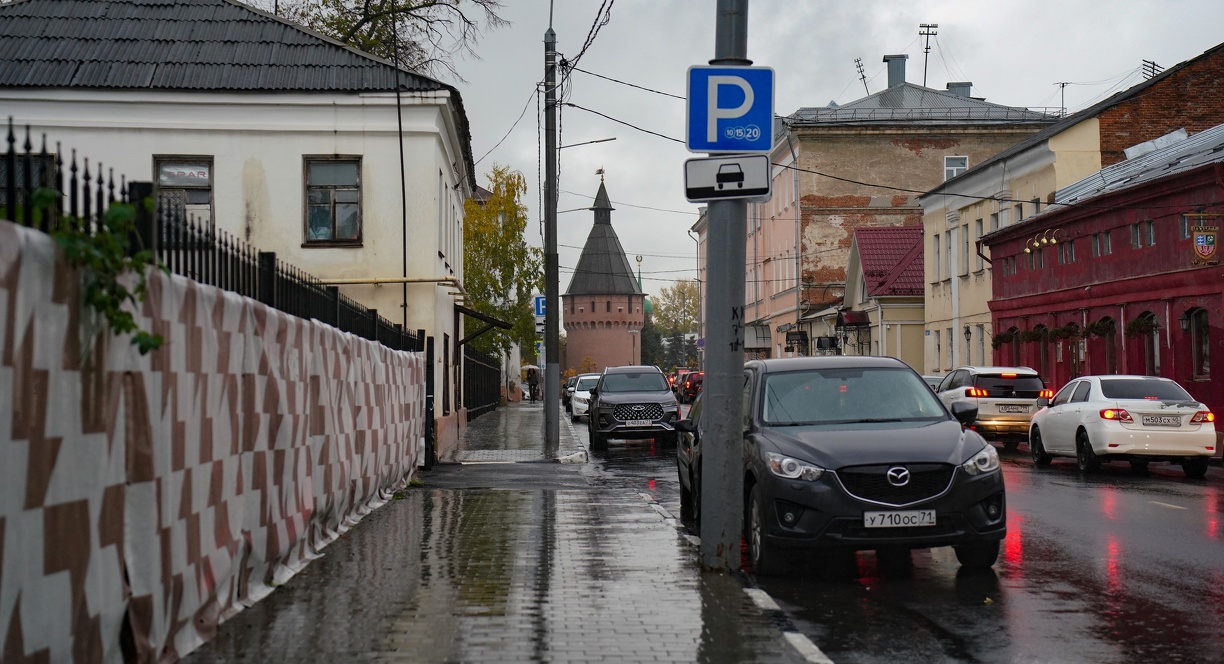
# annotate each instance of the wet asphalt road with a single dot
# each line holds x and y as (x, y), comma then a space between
(1110, 567)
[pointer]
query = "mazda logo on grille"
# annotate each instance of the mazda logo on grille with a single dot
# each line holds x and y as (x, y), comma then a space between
(898, 476)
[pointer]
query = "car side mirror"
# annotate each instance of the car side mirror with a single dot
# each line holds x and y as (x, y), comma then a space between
(964, 412)
(1042, 402)
(686, 425)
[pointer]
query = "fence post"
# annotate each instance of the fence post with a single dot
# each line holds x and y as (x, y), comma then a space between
(429, 404)
(146, 238)
(267, 278)
(373, 314)
(420, 341)
(333, 299)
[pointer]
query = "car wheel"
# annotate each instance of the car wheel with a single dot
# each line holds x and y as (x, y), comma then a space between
(686, 497)
(1139, 467)
(762, 556)
(977, 555)
(575, 418)
(1195, 469)
(1085, 457)
(1037, 448)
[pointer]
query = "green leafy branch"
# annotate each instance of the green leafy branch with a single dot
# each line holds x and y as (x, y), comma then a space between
(103, 257)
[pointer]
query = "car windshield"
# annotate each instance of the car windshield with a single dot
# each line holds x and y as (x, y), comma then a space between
(1009, 385)
(843, 395)
(585, 384)
(1140, 388)
(637, 381)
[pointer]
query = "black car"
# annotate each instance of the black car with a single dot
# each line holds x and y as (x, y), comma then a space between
(632, 402)
(849, 453)
(567, 392)
(690, 387)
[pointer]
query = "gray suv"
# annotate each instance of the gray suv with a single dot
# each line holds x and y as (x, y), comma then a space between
(632, 402)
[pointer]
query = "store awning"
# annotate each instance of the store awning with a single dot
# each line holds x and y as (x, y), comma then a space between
(757, 337)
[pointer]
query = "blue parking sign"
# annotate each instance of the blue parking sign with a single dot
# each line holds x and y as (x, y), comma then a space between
(730, 109)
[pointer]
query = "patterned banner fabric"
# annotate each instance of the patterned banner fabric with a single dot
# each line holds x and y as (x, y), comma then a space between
(146, 499)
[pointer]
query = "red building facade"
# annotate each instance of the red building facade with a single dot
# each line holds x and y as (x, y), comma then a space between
(1111, 282)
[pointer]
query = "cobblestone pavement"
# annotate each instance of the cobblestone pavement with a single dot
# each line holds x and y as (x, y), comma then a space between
(576, 573)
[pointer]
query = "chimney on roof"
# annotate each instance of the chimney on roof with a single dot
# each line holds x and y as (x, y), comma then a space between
(960, 89)
(896, 69)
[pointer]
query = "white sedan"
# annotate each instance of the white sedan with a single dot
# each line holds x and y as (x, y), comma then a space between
(1139, 419)
(580, 402)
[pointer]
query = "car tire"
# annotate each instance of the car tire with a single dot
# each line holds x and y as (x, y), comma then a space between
(696, 482)
(1195, 469)
(1085, 456)
(977, 555)
(1040, 456)
(763, 557)
(574, 418)
(686, 497)
(1139, 468)
(599, 441)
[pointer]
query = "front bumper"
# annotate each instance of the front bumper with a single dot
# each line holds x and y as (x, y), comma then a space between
(611, 427)
(830, 518)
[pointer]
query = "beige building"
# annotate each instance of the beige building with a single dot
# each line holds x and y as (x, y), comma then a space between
(1018, 182)
(859, 165)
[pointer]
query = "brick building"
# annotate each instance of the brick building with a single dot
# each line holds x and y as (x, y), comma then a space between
(603, 305)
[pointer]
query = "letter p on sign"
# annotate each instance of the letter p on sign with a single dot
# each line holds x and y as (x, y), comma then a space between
(730, 109)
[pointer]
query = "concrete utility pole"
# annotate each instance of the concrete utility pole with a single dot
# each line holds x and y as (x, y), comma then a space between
(722, 505)
(552, 308)
(926, 30)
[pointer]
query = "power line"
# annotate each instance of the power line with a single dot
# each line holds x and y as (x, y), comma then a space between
(632, 85)
(534, 93)
(631, 126)
(641, 207)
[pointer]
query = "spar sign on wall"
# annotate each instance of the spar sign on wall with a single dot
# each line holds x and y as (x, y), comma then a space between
(730, 109)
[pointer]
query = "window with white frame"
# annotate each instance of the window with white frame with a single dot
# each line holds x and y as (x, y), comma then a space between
(333, 199)
(936, 263)
(964, 257)
(954, 166)
(947, 269)
(977, 235)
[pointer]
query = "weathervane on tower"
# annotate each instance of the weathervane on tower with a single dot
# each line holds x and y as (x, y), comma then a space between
(600, 172)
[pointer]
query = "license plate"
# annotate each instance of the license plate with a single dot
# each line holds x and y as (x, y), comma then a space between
(910, 518)
(1013, 409)
(639, 423)
(1162, 420)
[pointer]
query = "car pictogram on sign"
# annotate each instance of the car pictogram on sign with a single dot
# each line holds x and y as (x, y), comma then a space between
(728, 173)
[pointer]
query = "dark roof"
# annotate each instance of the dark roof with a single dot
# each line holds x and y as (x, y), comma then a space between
(1073, 119)
(915, 104)
(196, 45)
(603, 268)
(891, 260)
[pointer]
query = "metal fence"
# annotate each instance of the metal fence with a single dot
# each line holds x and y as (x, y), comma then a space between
(185, 245)
(481, 382)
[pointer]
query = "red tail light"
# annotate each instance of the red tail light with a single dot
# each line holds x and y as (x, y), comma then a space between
(1118, 414)
(1203, 416)
(975, 392)
(1049, 394)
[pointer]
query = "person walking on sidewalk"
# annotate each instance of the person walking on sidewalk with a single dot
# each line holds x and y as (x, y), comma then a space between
(533, 379)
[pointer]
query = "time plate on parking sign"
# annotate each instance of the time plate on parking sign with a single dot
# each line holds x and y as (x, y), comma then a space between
(904, 519)
(639, 423)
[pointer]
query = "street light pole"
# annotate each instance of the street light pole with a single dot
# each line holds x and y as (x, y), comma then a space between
(552, 310)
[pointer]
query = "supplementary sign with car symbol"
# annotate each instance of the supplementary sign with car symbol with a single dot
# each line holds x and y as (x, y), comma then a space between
(721, 178)
(730, 109)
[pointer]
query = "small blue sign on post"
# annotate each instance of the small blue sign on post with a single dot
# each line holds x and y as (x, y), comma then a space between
(539, 305)
(730, 109)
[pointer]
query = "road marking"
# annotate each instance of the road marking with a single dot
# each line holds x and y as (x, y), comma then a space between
(1176, 507)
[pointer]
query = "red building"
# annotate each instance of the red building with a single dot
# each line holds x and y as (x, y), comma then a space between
(1121, 274)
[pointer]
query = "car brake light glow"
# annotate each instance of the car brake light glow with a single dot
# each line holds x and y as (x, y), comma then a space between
(1118, 414)
(1049, 394)
(1008, 375)
(1203, 416)
(975, 392)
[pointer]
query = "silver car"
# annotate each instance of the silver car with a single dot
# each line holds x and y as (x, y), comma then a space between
(580, 401)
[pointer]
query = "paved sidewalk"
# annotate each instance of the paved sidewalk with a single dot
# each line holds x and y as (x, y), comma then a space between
(552, 568)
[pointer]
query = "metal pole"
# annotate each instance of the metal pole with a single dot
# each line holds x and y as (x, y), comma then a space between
(722, 504)
(552, 308)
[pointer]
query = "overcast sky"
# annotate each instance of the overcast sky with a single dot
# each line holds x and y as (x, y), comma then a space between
(1012, 51)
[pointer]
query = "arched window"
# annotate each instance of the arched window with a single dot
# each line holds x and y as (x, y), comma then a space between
(1200, 343)
(1111, 345)
(1043, 351)
(1144, 329)
(1014, 347)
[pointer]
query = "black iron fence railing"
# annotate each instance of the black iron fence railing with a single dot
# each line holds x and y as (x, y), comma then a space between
(481, 382)
(186, 245)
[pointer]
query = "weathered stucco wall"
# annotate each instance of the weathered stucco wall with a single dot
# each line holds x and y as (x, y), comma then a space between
(145, 499)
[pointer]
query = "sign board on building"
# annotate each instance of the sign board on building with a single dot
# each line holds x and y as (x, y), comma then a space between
(722, 178)
(730, 109)
(1206, 240)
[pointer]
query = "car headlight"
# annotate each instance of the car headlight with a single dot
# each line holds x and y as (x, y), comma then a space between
(792, 469)
(983, 462)
(580, 399)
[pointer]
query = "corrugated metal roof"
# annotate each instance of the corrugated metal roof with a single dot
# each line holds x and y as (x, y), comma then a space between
(891, 259)
(1205, 147)
(603, 268)
(103, 40)
(192, 45)
(914, 103)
